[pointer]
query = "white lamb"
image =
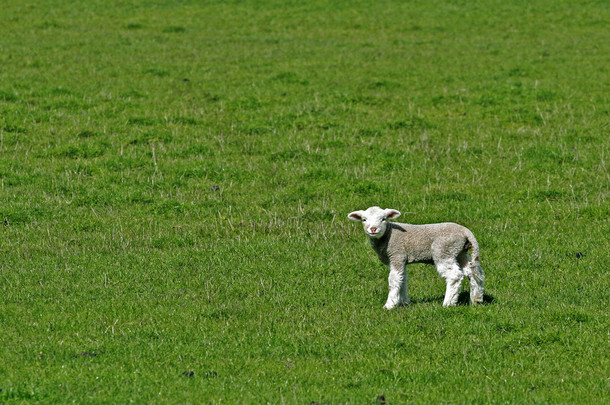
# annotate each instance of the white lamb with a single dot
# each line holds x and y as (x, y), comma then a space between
(446, 245)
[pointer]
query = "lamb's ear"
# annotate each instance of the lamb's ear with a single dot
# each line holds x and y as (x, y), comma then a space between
(356, 215)
(391, 214)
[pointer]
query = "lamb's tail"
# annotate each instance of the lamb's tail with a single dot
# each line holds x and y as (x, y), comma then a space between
(474, 252)
(474, 271)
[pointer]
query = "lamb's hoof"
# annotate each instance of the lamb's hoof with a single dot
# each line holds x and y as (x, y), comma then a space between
(404, 303)
(388, 306)
(476, 300)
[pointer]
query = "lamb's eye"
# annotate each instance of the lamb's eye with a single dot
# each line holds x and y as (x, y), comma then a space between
(363, 219)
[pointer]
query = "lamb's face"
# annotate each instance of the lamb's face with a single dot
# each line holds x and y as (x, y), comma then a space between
(374, 220)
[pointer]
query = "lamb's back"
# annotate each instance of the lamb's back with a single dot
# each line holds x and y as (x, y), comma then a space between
(414, 242)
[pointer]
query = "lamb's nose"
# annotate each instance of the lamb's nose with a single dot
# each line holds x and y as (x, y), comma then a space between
(373, 230)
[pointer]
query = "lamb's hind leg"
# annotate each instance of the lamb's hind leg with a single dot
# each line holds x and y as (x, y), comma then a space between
(474, 272)
(453, 276)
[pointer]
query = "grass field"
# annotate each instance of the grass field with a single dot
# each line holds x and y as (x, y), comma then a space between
(175, 178)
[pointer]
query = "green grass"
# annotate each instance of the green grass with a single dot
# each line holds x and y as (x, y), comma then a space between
(175, 178)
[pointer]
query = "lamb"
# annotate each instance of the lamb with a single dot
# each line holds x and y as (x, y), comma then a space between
(446, 245)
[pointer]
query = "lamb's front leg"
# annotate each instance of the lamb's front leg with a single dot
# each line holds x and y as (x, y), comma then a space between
(397, 283)
(404, 294)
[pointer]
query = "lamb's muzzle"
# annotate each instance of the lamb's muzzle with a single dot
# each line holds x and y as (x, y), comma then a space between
(446, 245)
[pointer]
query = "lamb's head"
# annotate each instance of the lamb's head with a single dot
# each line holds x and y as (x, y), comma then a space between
(374, 220)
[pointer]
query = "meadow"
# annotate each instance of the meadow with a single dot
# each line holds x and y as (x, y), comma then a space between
(175, 178)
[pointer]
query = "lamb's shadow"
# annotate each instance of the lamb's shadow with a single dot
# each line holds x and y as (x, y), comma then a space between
(463, 299)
